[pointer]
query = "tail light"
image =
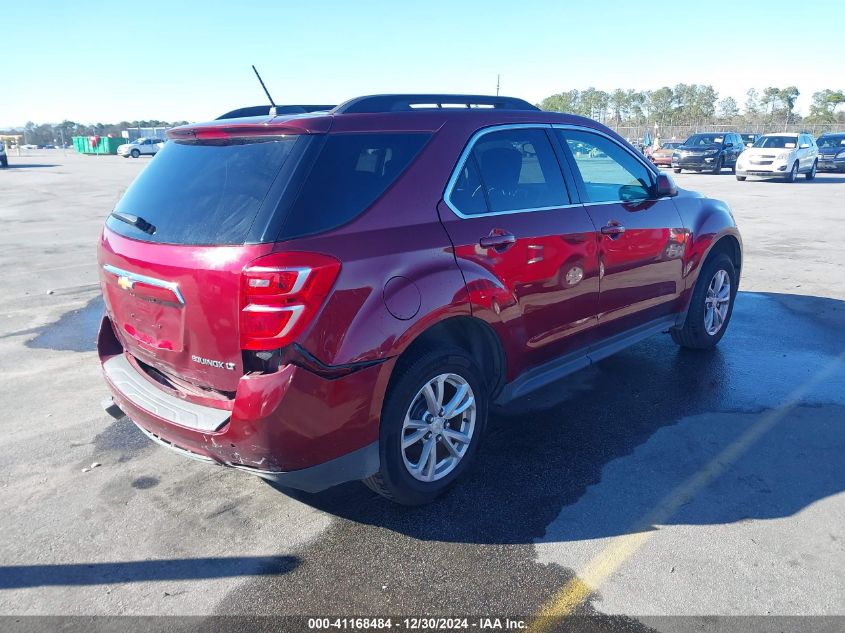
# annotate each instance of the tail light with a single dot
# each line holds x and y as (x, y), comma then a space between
(280, 294)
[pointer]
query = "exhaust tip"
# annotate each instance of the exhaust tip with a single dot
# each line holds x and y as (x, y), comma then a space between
(112, 409)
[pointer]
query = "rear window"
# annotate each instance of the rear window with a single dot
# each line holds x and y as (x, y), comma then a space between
(205, 193)
(350, 173)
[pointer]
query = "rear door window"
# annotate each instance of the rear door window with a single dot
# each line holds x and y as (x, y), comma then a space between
(350, 173)
(519, 171)
(203, 193)
(468, 195)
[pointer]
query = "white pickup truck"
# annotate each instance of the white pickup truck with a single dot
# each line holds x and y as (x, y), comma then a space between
(140, 146)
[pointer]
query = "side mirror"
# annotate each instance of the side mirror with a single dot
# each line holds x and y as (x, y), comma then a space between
(665, 186)
(632, 193)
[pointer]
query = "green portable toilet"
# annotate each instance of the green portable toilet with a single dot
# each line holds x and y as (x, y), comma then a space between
(103, 145)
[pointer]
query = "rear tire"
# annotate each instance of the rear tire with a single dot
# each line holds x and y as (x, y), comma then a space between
(811, 175)
(4, 162)
(407, 415)
(677, 170)
(699, 332)
(740, 178)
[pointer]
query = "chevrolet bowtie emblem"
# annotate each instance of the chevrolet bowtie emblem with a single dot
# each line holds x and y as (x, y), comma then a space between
(125, 283)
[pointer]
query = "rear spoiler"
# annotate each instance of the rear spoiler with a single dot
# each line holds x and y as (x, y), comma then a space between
(212, 131)
(264, 110)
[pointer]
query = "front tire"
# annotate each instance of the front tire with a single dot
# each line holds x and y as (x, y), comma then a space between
(677, 170)
(711, 305)
(717, 168)
(135, 153)
(792, 176)
(4, 162)
(811, 175)
(432, 422)
(740, 178)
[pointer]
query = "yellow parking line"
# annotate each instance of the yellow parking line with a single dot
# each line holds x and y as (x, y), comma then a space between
(576, 591)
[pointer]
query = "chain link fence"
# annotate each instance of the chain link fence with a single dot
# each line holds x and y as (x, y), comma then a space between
(681, 132)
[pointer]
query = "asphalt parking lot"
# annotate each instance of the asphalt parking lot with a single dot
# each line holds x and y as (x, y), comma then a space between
(657, 483)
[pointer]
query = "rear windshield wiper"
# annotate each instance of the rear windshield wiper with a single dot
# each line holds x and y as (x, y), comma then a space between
(135, 220)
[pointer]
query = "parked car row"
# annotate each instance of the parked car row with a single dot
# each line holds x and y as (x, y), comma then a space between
(784, 155)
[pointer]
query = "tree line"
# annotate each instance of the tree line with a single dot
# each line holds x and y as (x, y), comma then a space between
(683, 104)
(694, 104)
(47, 133)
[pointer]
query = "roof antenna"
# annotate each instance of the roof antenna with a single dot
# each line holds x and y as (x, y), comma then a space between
(267, 92)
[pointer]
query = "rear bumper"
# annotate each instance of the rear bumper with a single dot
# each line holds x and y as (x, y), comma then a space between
(358, 464)
(291, 426)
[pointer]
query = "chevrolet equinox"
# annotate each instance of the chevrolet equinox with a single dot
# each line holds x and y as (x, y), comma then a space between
(342, 295)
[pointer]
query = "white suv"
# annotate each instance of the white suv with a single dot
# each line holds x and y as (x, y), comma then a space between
(140, 146)
(783, 155)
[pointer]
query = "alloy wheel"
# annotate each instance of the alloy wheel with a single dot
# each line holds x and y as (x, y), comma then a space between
(716, 302)
(438, 427)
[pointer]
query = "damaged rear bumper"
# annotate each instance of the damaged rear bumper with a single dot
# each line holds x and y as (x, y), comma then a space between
(358, 464)
(291, 426)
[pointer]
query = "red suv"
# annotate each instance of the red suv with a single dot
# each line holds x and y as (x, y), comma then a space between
(330, 296)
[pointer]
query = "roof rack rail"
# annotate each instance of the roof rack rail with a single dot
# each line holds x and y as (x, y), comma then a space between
(406, 103)
(264, 110)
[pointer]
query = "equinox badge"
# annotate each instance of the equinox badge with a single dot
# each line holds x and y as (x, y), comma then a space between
(219, 364)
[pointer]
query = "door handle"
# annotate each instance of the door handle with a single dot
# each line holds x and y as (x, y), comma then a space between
(613, 230)
(498, 241)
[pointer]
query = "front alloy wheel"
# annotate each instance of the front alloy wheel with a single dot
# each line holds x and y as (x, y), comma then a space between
(711, 304)
(717, 302)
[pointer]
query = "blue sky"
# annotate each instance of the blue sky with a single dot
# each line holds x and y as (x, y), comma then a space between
(186, 59)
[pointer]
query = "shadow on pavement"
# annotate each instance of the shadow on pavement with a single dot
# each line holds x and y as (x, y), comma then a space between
(641, 423)
(26, 165)
(75, 331)
(821, 178)
(24, 576)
